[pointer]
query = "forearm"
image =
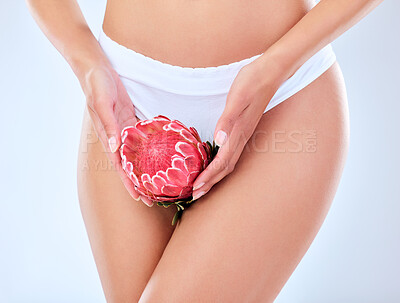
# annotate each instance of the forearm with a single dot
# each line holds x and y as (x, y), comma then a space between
(64, 25)
(320, 26)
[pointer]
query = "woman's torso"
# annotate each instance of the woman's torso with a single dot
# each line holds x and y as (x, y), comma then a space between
(201, 33)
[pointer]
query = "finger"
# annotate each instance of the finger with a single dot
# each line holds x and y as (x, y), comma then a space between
(98, 127)
(217, 165)
(216, 175)
(125, 115)
(206, 188)
(213, 168)
(223, 163)
(115, 158)
(124, 109)
(208, 185)
(104, 109)
(235, 105)
(127, 181)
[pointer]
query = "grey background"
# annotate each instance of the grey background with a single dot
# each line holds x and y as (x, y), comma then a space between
(45, 254)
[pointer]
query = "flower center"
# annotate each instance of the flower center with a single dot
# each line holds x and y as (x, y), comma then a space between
(156, 152)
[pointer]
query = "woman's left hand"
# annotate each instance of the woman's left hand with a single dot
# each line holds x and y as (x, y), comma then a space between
(252, 89)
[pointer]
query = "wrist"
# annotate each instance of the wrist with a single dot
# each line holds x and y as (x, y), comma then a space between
(84, 54)
(277, 65)
(83, 63)
(86, 66)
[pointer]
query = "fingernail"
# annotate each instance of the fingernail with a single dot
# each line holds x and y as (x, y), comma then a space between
(198, 195)
(198, 186)
(112, 142)
(220, 138)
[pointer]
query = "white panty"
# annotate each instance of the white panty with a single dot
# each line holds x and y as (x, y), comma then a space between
(195, 96)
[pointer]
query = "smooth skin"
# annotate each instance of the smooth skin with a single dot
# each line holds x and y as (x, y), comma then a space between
(275, 177)
(247, 101)
(242, 241)
(127, 237)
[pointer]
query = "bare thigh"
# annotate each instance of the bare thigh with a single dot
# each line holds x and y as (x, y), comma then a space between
(127, 237)
(243, 240)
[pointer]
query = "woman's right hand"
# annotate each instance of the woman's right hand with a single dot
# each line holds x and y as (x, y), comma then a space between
(111, 109)
(108, 102)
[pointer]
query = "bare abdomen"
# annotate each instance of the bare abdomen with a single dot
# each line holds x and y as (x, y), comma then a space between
(200, 33)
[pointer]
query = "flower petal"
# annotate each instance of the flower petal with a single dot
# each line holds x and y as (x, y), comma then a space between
(151, 188)
(165, 198)
(195, 133)
(177, 156)
(179, 163)
(151, 126)
(192, 163)
(176, 126)
(176, 177)
(171, 190)
(188, 136)
(161, 118)
(185, 192)
(143, 191)
(147, 201)
(125, 132)
(130, 154)
(203, 153)
(191, 177)
(158, 182)
(123, 161)
(162, 174)
(145, 177)
(134, 178)
(186, 149)
(132, 136)
(129, 167)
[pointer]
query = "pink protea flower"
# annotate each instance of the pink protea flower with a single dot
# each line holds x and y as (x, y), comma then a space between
(163, 157)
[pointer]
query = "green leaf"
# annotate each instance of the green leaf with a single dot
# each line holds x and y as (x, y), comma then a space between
(177, 216)
(165, 204)
(214, 149)
(190, 201)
